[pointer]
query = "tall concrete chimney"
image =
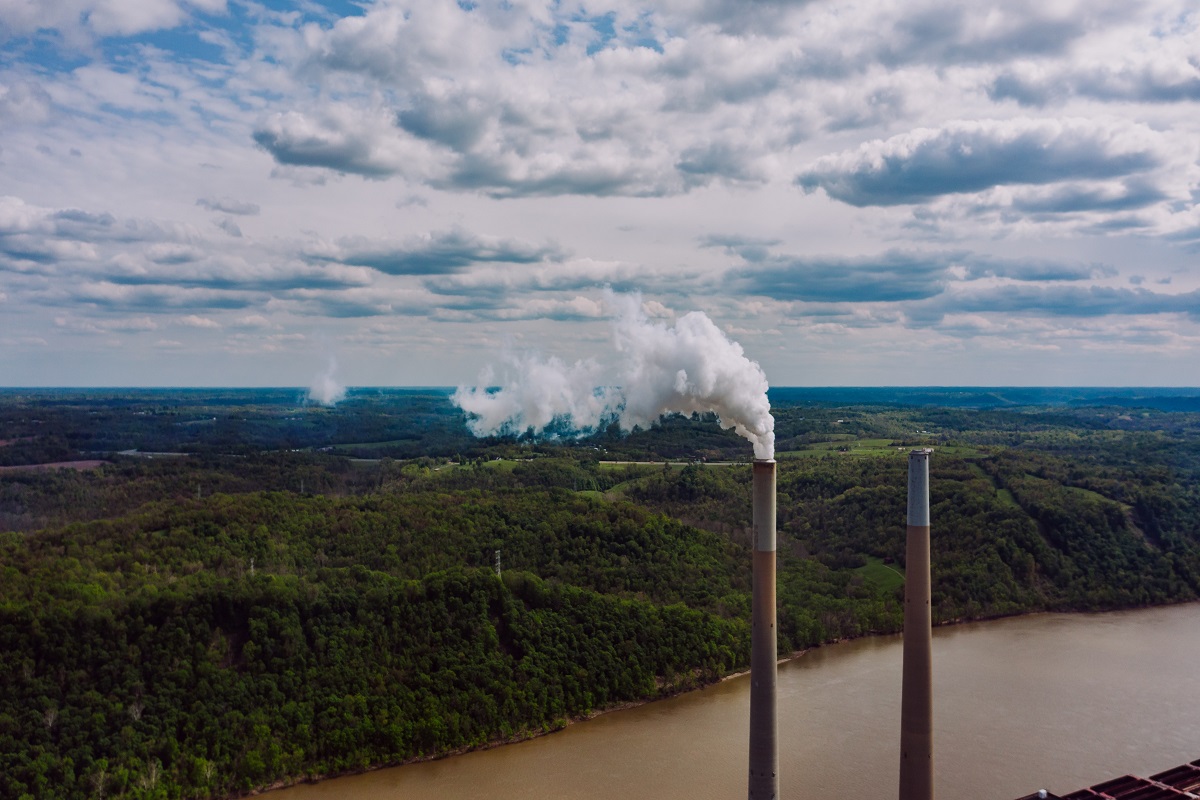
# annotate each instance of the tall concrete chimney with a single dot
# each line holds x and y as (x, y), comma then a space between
(764, 747)
(916, 706)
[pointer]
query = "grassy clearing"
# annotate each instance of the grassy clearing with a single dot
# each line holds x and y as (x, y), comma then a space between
(883, 576)
(848, 446)
(1007, 499)
(959, 450)
(648, 466)
(624, 486)
(1003, 495)
(1088, 493)
(845, 447)
(1095, 497)
(369, 445)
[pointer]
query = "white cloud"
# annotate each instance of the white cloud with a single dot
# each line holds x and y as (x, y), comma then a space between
(196, 321)
(432, 178)
(253, 321)
(229, 205)
(973, 156)
(80, 20)
(23, 102)
(359, 141)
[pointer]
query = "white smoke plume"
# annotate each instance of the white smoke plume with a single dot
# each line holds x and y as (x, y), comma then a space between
(325, 389)
(657, 370)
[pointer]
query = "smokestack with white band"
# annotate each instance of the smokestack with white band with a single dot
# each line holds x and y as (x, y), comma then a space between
(764, 747)
(916, 707)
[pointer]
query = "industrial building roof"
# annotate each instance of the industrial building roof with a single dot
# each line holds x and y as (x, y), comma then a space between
(1180, 782)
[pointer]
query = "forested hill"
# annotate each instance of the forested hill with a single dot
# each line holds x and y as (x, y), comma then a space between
(208, 647)
(206, 625)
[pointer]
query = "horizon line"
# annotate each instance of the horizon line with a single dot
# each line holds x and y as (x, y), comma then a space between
(449, 387)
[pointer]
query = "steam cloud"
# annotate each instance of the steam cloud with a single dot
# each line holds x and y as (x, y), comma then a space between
(325, 389)
(690, 367)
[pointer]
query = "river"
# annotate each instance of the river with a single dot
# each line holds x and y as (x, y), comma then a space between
(1056, 701)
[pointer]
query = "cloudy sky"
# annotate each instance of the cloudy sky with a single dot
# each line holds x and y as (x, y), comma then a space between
(224, 192)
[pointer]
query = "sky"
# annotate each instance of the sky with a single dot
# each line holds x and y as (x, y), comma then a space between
(233, 193)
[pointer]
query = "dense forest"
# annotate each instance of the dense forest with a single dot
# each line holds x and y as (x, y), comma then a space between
(233, 589)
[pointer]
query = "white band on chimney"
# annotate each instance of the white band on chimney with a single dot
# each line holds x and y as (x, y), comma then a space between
(918, 488)
(763, 499)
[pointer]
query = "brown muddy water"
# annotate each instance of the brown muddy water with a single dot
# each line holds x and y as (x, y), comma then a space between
(1055, 701)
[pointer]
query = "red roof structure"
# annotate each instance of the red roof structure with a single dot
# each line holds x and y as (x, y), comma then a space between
(1180, 782)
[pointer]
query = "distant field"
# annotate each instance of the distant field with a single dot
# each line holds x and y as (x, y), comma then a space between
(846, 446)
(88, 464)
(1088, 493)
(373, 445)
(871, 447)
(1006, 497)
(959, 450)
(883, 576)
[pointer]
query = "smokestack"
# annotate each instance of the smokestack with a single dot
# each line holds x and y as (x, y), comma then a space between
(764, 748)
(916, 707)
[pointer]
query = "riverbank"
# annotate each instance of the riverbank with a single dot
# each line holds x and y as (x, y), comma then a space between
(879, 638)
(491, 745)
(627, 705)
(1047, 700)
